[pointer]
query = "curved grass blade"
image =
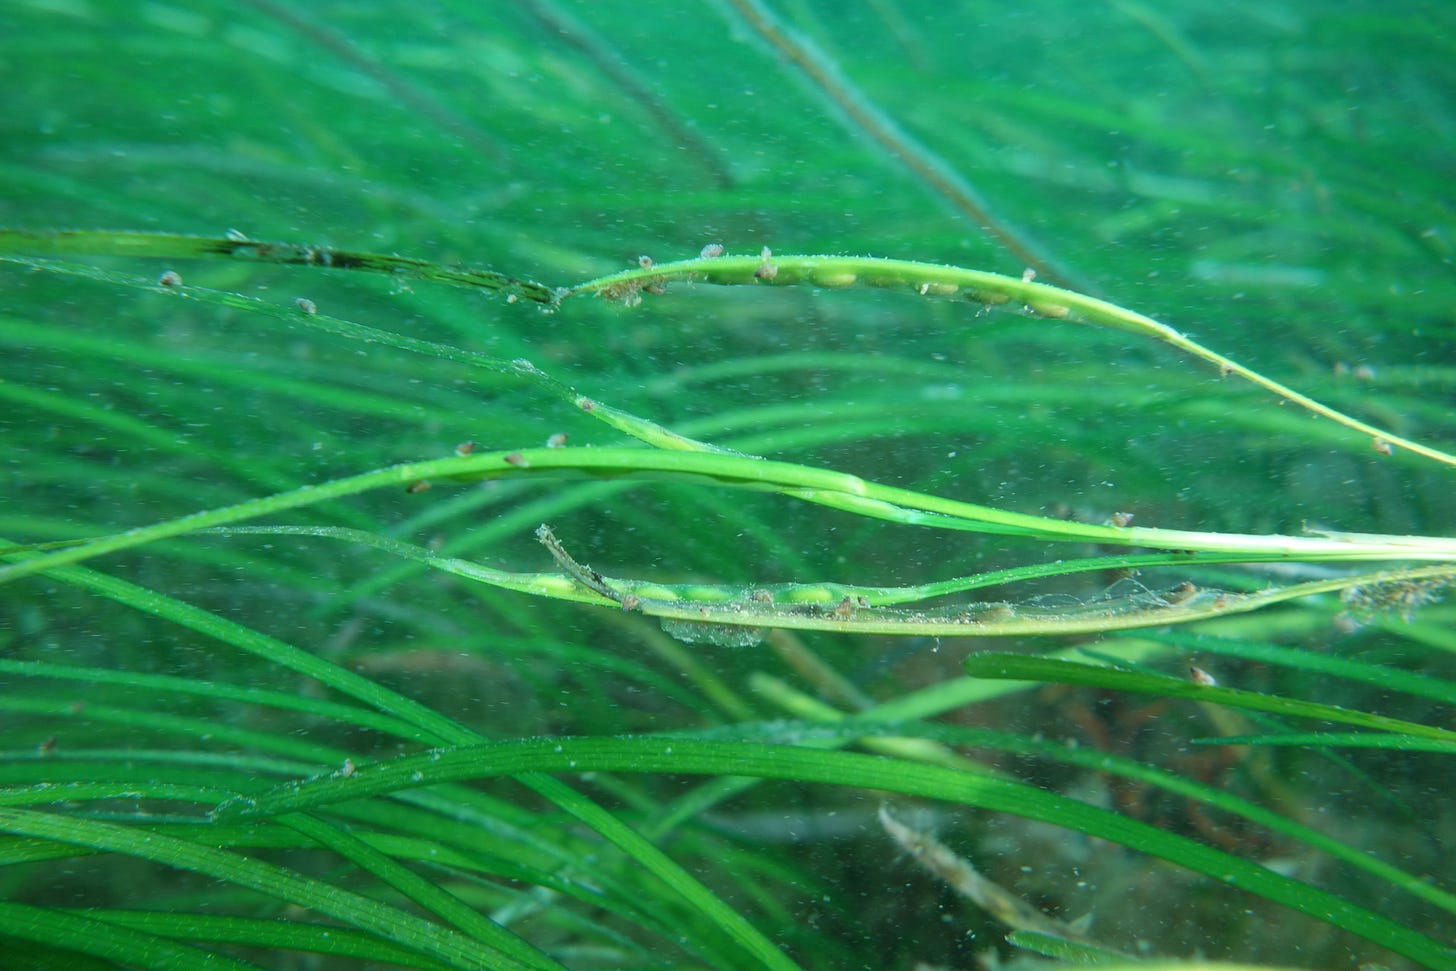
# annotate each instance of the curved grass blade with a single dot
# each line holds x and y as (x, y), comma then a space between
(1422, 685)
(1370, 740)
(934, 280)
(831, 728)
(837, 490)
(822, 606)
(316, 707)
(833, 272)
(353, 909)
(423, 892)
(179, 247)
(98, 938)
(808, 766)
(435, 727)
(329, 940)
(639, 428)
(1016, 667)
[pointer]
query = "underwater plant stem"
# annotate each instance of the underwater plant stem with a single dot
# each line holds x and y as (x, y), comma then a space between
(829, 272)
(993, 289)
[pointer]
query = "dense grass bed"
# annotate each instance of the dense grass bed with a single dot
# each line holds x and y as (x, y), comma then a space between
(590, 486)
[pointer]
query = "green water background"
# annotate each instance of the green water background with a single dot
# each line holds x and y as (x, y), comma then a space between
(1274, 178)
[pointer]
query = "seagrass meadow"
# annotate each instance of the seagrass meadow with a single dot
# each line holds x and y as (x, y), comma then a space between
(755, 485)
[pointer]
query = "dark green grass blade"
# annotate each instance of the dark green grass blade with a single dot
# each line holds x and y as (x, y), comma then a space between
(273, 935)
(844, 769)
(85, 935)
(1017, 667)
(833, 729)
(175, 247)
(433, 726)
(1370, 740)
(353, 909)
(318, 708)
(1383, 676)
(427, 895)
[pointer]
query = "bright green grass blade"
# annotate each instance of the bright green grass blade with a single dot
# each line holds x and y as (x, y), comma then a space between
(432, 725)
(849, 493)
(52, 788)
(838, 490)
(273, 935)
(273, 881)
(813, 605)
(85, 935)
(1383, 676)
(318, 708)
(1076, 954)
(423, 892)
(931, 280)
(1016, 667)
(455, 844)
(805, 766)
(1371, 740)
(832, 272)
